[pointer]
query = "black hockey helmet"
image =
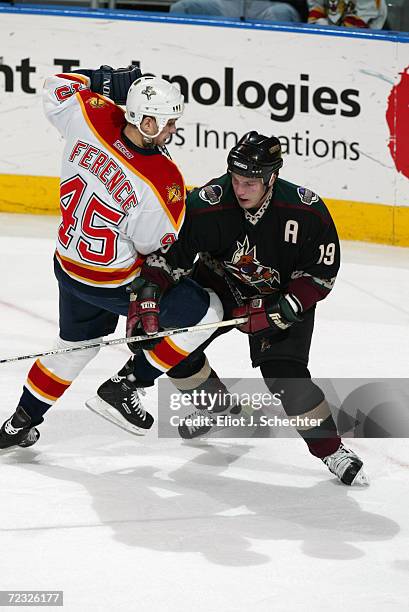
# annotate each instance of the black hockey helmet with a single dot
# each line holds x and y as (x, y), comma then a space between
(256, 156)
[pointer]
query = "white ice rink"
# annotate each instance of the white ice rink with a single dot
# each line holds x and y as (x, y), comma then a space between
(123, 523)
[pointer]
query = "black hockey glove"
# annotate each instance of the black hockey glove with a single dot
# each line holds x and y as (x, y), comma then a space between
(270, 312)
(143, 314)
(113, 84)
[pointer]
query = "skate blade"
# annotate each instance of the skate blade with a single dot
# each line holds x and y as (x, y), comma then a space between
(104, 410)
(12, 449)
(9, 449)
(361, 479)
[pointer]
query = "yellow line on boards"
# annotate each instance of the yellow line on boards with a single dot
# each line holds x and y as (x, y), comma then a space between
(34, 195)
(381, 223)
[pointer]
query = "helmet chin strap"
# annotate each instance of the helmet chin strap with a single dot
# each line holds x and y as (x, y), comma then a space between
(268, 186)
(149, 137)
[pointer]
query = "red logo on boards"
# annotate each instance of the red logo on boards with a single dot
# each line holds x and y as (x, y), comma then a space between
(397, 117)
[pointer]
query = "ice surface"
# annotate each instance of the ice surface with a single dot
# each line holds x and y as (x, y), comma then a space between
(124, 523)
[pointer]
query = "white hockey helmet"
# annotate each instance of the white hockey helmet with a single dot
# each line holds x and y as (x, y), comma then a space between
(153, 97)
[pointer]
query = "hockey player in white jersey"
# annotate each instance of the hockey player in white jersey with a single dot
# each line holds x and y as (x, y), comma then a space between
(348, 14)
(121, 197)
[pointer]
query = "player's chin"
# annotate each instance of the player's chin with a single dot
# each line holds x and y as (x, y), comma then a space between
(245, 204)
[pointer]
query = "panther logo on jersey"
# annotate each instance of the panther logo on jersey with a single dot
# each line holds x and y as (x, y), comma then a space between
(246, 267)
(97, 102)
(174, 193)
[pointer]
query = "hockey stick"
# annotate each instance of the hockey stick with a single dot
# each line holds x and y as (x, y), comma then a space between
(162, 334)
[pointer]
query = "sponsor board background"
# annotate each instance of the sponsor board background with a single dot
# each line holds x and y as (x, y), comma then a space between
(367, 195)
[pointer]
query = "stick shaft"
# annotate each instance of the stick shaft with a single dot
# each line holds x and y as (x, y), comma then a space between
(162, 334)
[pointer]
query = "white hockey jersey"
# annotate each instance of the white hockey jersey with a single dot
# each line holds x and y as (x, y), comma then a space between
(348, 13)
(118, 202)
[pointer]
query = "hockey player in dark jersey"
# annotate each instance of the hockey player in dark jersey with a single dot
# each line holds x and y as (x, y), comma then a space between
(270, 250)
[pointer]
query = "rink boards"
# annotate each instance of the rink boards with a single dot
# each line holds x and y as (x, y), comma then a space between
(338, 100)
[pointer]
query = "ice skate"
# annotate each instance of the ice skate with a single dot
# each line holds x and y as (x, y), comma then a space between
(345, 464)
(118, 401)
(202, 421)
(18, 430)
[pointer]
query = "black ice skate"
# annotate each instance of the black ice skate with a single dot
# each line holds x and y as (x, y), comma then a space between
(202, 421)
(118, 401)
(18, 430)
(196, 424)
(345, 464)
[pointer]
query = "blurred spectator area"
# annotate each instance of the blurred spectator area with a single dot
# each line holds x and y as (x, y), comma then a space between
(137, 5)
(398, 10)
(398, 15)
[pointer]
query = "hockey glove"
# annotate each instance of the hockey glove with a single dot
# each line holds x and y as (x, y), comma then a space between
(143, 314)
(113, 84)
(268, 313)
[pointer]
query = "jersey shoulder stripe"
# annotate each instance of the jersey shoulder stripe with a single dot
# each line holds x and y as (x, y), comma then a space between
(289, 195)
(106, 120)
(76, 78)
